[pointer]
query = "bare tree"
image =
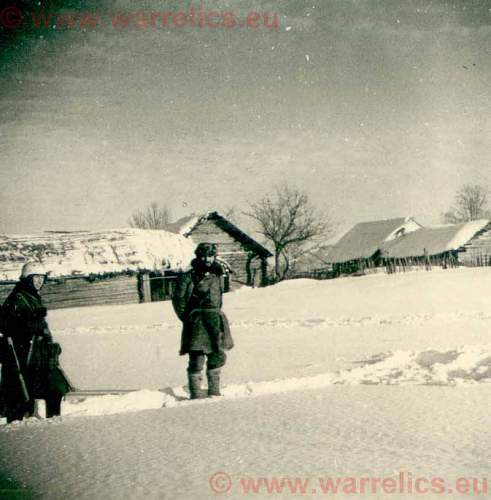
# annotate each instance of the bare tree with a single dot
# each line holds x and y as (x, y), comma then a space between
(155, 216)
(288, 220)
(470, 204)
(230, 212)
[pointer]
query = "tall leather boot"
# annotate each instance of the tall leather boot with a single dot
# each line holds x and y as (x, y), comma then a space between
(194, 381)
(53, 406)
(18, 411)
(13, 414)
(213, 382)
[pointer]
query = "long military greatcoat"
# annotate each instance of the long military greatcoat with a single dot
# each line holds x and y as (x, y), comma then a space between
(197, 301)
(24, 321)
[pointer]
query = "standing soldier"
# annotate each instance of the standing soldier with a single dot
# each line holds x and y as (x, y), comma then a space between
(197, 302)
(30, 367)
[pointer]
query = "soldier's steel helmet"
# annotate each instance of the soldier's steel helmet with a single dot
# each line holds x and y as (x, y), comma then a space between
(32, 268)
(206, 250)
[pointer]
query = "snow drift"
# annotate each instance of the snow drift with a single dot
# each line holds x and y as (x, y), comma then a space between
(467, 365)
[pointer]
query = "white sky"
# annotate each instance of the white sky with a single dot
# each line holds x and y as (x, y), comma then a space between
(387, 116)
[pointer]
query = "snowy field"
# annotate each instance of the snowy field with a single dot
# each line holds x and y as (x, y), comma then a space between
(352, 377)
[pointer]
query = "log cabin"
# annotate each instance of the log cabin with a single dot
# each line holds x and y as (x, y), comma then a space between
(246, 257)
(97, 267)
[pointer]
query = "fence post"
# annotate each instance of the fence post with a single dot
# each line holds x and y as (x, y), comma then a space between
(146, 294)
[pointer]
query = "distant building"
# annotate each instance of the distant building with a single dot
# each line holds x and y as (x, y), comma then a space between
(362, 246)
(246, 257)
(439, 244)
(398, 244)
(311, 260)
(476, 251)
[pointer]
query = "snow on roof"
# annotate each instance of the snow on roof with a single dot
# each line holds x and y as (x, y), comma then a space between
(95, 252)
(466, 233)
(364, 239)
(187, 224)
(183, 225)
(435, 240)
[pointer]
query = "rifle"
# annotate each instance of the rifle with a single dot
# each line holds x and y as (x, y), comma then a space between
(31, 349)
(17, 371)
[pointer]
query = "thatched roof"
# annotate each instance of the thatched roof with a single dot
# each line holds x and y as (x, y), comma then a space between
(95, 252)
(186, 225)
(436, 240)
(365, 239)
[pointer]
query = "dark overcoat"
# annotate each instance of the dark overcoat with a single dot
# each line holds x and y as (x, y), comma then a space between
(24, 321)
(197, 301)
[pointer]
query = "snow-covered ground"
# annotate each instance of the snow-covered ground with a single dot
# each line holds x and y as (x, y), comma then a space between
(348, 377)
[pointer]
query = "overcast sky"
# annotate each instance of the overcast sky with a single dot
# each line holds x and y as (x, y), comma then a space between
(376, 108)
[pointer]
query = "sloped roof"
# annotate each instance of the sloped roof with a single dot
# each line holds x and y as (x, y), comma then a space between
(436, 240)
(186, 225)
(183, 225)
(312, 259)
(95, 252)
(364, 239)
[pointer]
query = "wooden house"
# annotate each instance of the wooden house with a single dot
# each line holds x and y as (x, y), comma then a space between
(440, 246)
(247, 258)
(477, 249)
(98, 267)
(361, 247)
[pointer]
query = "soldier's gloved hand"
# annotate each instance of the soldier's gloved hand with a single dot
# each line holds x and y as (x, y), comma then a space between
(46, 334)
(41, 312)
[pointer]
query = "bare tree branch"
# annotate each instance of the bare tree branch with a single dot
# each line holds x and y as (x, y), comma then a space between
(155, 216)
(288, 220)
(470, 204)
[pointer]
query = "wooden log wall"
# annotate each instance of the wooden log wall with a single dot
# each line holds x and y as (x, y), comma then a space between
(82, 292)
(477, 252)
(161, 287)
(5, 289)
(78, 292)
(229, 248)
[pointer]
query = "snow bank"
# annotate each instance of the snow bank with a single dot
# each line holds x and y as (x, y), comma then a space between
(466, 365)
(113, 404)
